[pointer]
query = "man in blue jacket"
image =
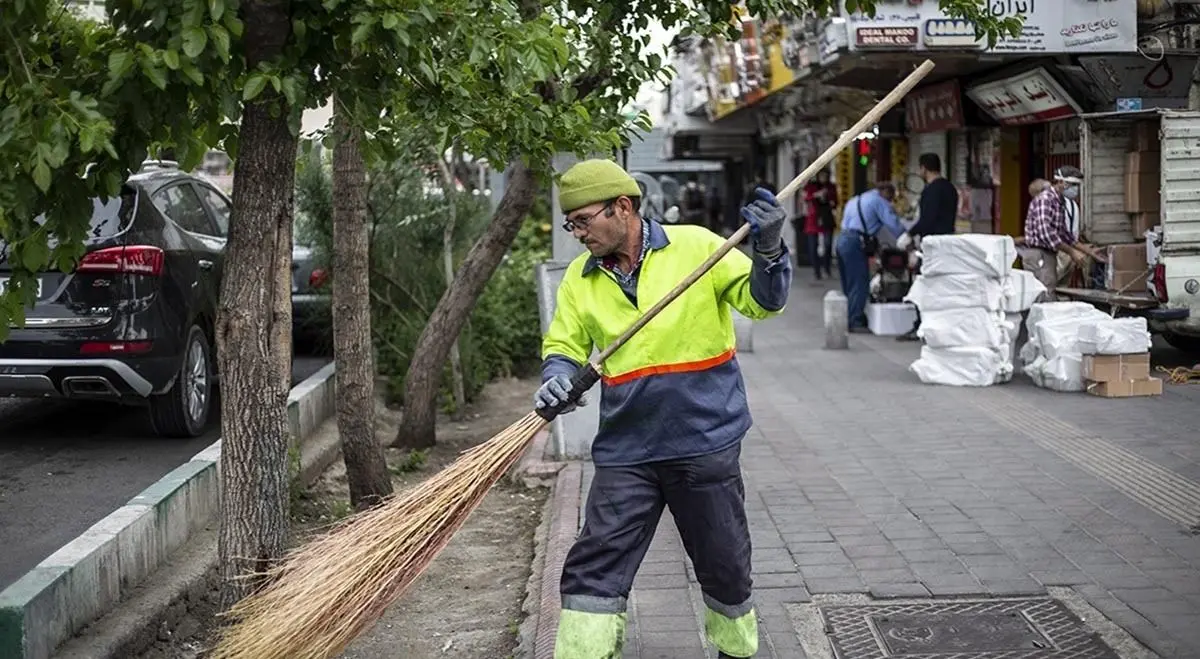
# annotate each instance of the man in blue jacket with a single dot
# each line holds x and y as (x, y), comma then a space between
(863, 217)
(673, 409)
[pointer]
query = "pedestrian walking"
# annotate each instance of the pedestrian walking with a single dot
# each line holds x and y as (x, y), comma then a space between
(862, 218)
(820, 198)
(673, 409)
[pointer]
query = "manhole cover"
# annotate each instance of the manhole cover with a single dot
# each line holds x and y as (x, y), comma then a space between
(1032, 628)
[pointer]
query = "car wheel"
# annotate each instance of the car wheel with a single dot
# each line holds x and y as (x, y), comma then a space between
(1188, 344)
(183, 411)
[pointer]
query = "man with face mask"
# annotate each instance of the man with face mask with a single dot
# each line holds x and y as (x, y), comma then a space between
(1046, 231)
(673, 407)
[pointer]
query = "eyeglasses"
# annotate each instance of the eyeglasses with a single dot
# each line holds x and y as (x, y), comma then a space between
(571, 225)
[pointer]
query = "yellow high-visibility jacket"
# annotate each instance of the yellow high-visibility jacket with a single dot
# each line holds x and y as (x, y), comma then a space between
(675, 389)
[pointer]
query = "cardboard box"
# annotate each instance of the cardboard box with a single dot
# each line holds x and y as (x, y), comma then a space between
(1141, 192)
(1112, 368)
(1126, 388)
(1127, 281)
(1143, 162)
(1145, 136)
(1143, 222)
(1127, 256)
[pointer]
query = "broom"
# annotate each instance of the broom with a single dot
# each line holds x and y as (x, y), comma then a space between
(321, 596)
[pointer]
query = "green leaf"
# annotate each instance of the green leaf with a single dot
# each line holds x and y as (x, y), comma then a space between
(171, 59)
(193, 74)
(254, 86)
(194, 41)
(155, 74)
(234, 25)
(35, 252)
(41, 175)
(87, 139)
(390, 21)
(360, 34)
(220, 37)
(290, 91)
(216, 9)
(119, 63)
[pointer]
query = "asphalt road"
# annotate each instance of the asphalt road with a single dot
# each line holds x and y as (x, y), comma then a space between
(65, 465)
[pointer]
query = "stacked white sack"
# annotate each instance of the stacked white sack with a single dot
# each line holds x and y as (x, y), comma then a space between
(1053, 356)
(970, 301)
(1114, 336)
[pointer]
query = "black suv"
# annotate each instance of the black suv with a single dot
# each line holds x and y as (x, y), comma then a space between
(135, 322)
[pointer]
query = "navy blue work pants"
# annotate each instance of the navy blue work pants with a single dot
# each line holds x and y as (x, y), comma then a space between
(706, 496)
(855, 274)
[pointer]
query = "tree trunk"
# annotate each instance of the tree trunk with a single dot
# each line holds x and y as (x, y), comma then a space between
(418, 427)
(456, 372)
(254, 326)
(366, 468)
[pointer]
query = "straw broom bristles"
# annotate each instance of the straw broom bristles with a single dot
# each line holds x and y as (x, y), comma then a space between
(327, 592)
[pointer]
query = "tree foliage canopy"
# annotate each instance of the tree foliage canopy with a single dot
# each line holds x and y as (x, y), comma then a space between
(83, 103)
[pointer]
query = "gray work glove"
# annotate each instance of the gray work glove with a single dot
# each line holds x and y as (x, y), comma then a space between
(555, 392)
(766, 218)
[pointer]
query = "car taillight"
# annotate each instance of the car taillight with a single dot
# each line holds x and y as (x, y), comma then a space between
(132, 260)
(116, 348)
(317, 278)
(1160, 282)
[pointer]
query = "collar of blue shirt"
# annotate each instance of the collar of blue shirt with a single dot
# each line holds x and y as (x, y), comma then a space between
(658, 240)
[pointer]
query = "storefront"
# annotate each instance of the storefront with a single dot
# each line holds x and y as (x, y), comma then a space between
(1038, 132)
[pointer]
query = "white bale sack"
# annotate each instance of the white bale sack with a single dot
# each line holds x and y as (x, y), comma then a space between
(1113, 336)
(971, 327)
(961, 367)
(968, 253)
(1021, 291)
(1012, 331)
(955, 292)
(1052, 312)
(1058, 337)
(1063, 373)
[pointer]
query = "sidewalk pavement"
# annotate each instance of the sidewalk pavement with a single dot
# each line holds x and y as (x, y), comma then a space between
(862, 480)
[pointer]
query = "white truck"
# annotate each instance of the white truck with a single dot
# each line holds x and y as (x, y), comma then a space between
(1169, 221)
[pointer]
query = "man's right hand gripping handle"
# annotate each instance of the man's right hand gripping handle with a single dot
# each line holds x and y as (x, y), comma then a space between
(558, 395)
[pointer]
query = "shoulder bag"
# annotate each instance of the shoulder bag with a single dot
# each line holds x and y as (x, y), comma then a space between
(869, 242)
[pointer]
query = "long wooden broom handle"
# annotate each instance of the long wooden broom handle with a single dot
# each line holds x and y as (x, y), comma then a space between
(869, 119)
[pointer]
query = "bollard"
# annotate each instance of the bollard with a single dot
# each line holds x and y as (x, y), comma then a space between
(837, 323)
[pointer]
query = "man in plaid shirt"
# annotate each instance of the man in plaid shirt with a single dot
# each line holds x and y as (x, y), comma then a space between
(1047, 233)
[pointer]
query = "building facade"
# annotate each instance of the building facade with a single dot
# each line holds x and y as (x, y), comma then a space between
(997, 116)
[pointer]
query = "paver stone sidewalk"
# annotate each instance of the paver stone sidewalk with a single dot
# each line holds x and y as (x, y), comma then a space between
(860, 479)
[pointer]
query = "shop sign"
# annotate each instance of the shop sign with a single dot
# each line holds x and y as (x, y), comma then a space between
(1050, 26)
(1027, 98)
(934, 108)
(1063, 137)
(1163, 83)
(950, 33)
(885, 37)
(1129, 105)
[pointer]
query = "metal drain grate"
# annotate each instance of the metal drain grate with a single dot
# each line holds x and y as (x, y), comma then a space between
(1030, 628)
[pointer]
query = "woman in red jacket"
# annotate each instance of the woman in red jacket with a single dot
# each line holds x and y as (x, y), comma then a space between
(820, 197)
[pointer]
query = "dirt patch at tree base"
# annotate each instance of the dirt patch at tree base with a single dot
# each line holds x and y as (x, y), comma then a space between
(468, 603)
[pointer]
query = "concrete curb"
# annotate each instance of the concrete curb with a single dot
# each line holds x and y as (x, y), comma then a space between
(96, 571)
(537, 639)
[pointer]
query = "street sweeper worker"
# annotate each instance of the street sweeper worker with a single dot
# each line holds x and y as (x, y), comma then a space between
(673, 407)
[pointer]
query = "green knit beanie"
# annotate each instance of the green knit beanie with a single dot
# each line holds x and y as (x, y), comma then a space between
(591, 181)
